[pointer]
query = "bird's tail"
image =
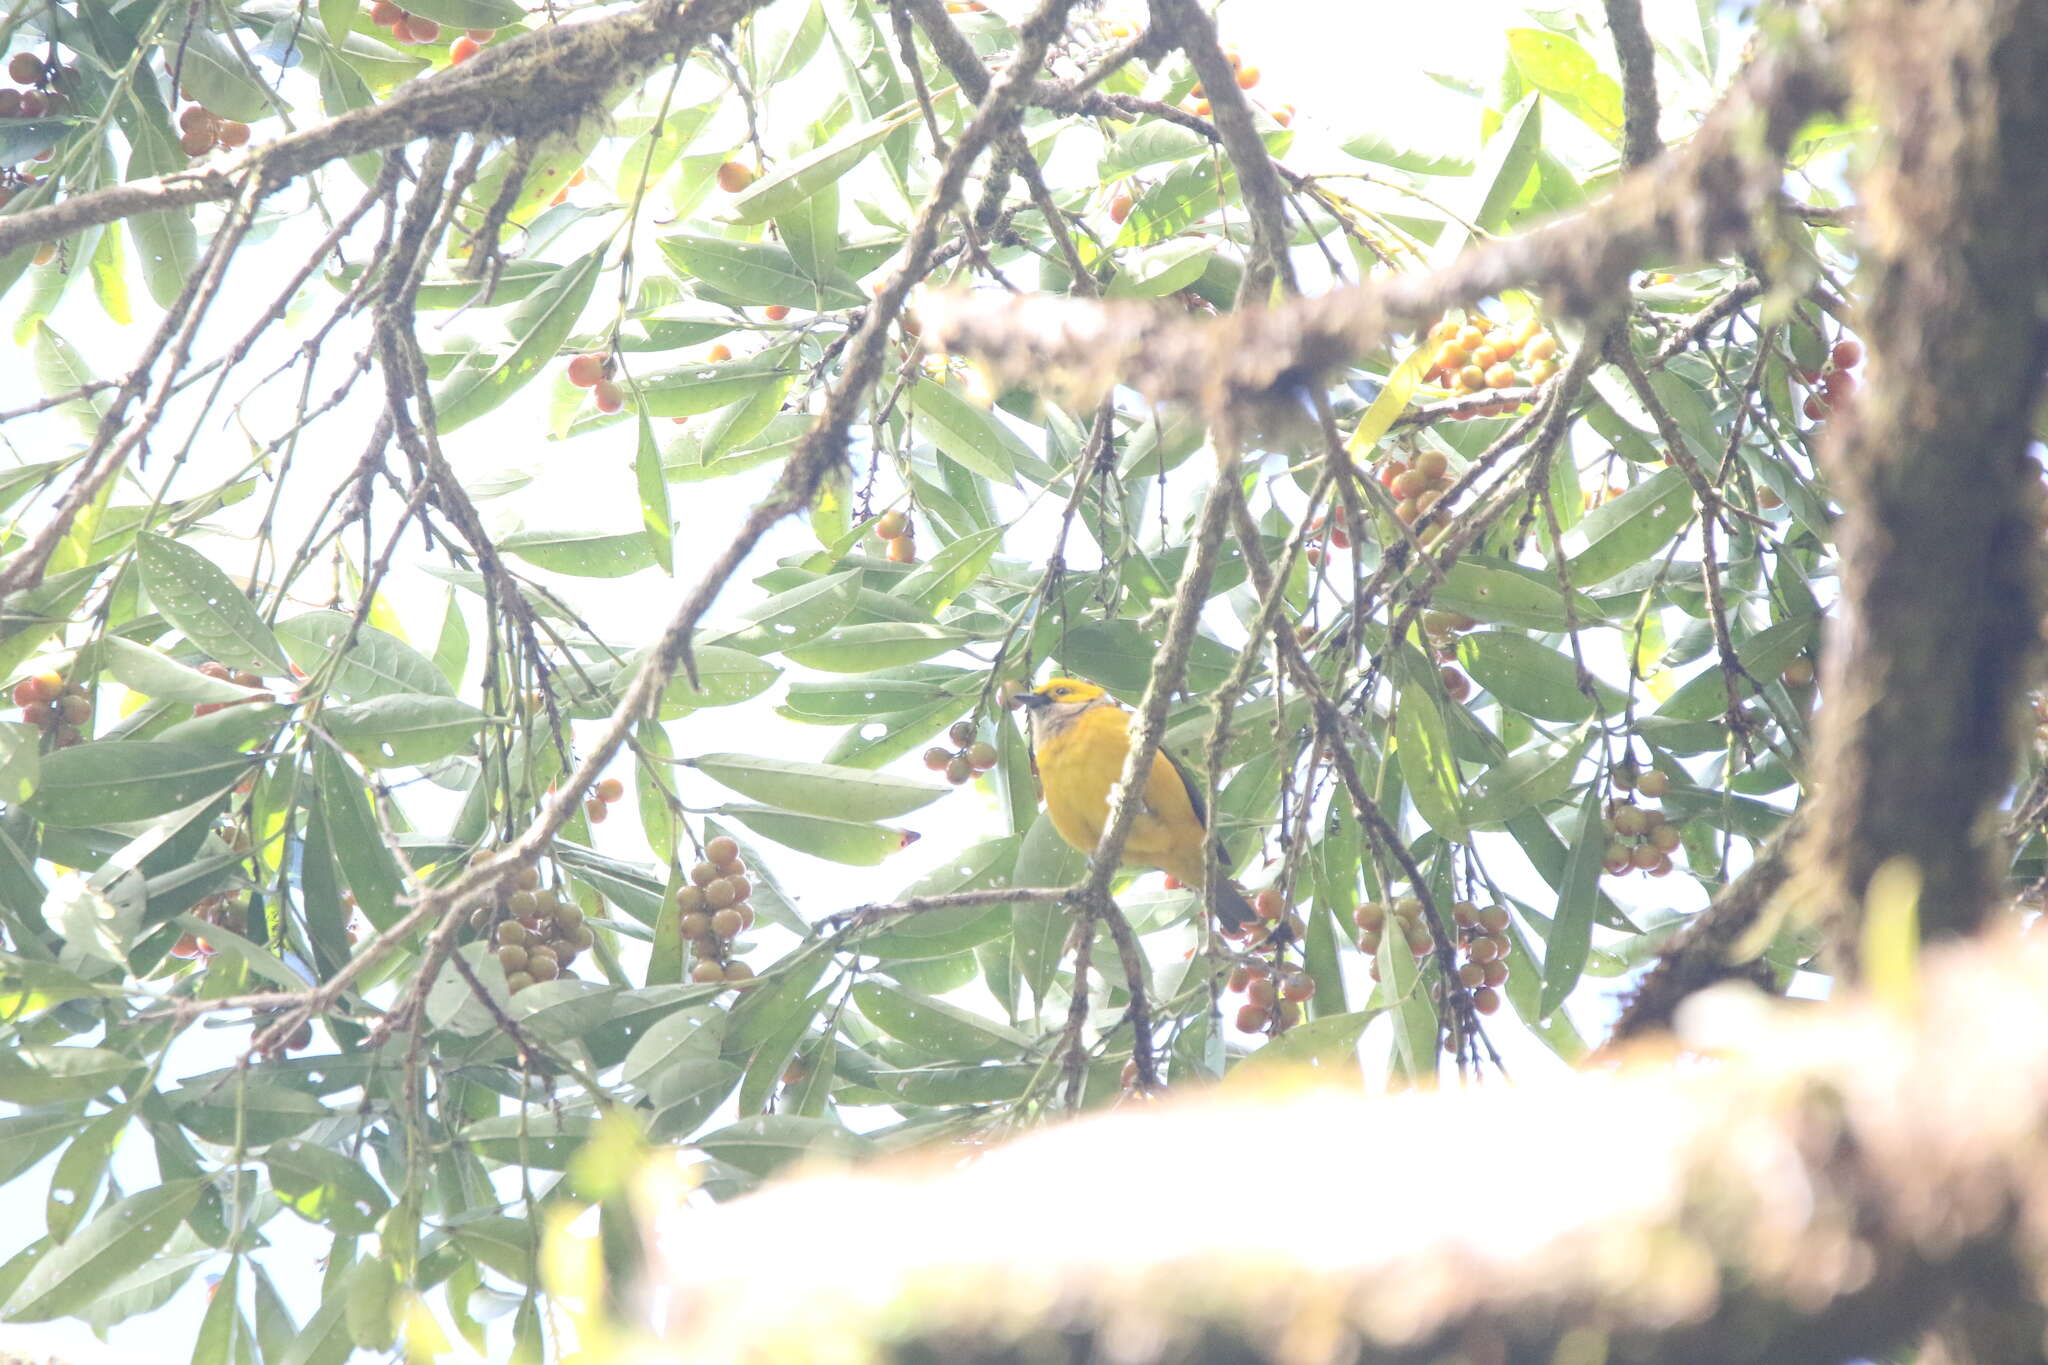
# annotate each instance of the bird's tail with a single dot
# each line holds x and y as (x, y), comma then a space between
(1231, 906)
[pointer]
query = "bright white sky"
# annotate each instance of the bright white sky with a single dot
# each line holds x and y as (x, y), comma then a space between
(1346, 67)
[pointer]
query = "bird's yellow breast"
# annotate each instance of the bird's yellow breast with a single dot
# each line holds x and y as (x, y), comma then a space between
(1082, 762)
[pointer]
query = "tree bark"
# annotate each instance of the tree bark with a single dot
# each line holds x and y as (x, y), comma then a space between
(1940, 537)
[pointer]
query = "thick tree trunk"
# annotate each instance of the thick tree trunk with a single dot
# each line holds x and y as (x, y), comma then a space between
(1925, 678)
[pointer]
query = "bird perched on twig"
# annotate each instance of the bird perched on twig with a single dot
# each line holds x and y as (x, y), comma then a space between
(1083, 737)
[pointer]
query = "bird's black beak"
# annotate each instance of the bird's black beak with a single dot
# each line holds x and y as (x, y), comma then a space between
(1033, 700)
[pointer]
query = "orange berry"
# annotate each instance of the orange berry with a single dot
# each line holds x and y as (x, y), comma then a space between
(594, 811)
(903, 550)
(1120, 206)
(608, 396)
(463, 49)
(1252, 1019)
(1269, 903)
(891, 524)
(1284, 115)
(776, 312)
(1486, 1000)
(423, 30)
(233, 133)
(610, 790)
(1247, 77)
(481, 35)
(719, 353)
(1847, 353)
(586, 370)
(735, 176)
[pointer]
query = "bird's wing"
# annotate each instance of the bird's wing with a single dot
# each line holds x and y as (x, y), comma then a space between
(1193, 785)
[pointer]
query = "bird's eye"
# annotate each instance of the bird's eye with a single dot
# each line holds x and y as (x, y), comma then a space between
(1061, 691)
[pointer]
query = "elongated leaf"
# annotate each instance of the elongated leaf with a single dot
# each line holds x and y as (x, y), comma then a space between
(938, 1027)
(839, 841)
(48, 1073)
(537, 330)
(1534, 777)
(881, 644)
(1534, 679)
(1763, 656)
(767, 1142)
(793, 182)
(142, 669)
(818, 788)
(360, 854)
(1423, 743)
(116, 781)
(206, 606)
(653, 487)
(1624, 533)
(1571, 930)
(975, 439)
(755, 273)
(404, 731)
(378, 663)
(323, 1186)
(584, 554)
(119, 1239)
(1567, 73)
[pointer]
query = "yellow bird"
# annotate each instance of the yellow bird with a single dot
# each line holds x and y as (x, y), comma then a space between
(1083, 737)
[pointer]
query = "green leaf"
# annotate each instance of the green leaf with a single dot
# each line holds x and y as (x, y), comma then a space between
(1763, 655)
(1328, 1043)
(1508, 595)
(1621, 534)
(1423, 743)
(795, 617)
(46, 1073)
(584, 554)
(767, 1142)
(259, 1114)
(116, 781)
(1534, 777)
(206, 606)
(323, 1186)
(880, 644)
(1154, 272)
(142, 669)
(937, 1027)
(211, 74)
(1564, 71)
(818, 788)
(839, 841)
(785, 188)
(166, 243)
(724, 677)
(537, 329)
(1536, 680)
(471, 13)
(377, 664)
(1571, 931)
(120, 1238)
(936, 582)
(973, 438)
(755, 273)
(655, 521)
(1119, 655)
(404, 731)
(21, 762)
(365, 863)
(1375, 148)
(1039, 928)
(689, 390)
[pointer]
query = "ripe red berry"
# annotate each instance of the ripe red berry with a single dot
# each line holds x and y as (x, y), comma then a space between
(1847, 353)
(462, 50)
(586, 370)
(1269, 903)
(608, 396)
(776, 312)
(609, 790)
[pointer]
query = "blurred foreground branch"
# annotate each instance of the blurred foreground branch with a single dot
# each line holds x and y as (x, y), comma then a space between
(1825, 1190)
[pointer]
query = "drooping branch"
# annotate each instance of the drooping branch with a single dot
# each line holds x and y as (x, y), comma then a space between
(1699, 202)
(1823, 1192)
(1940, 610)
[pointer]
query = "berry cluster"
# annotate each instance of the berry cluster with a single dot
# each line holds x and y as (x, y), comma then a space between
(894, 530)
(536, 932)
(1417, 488)
(1247, 77)
(1373, 919)
(594, 372)
(60, 709)
(713, 911)
(200, 130)
(42, 97)
(1469, 358)
(967, 757)
(1833, 385)
(1642, 838)
(603, 797)
(1273, 995)
(243, 678)
(1484, 944)
(413, 29)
